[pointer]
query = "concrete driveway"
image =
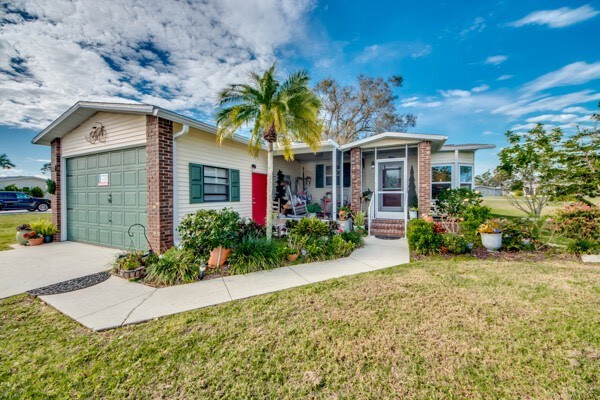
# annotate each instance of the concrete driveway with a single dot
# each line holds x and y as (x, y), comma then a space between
(26, 268)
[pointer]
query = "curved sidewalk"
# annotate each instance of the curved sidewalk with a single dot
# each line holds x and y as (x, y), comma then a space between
(117, 302)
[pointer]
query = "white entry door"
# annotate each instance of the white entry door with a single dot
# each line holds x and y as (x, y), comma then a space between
(390, 181)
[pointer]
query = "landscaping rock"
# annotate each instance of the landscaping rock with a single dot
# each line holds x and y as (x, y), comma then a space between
(71, 285)
(590, 258)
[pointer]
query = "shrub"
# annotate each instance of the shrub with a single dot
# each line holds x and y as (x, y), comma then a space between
(173, 267)
(44, 227)
(255, 254)
(318, 249)
(129, 261)
(455, 244)
(314, 208)
(11, 188)
(473, 216)
(342, 247)
(583, 246)
(36, 191)
(422, 238)
(359, 218)
(205, 230)
(522, 234)
(455, 201)
(352, 236)
(578, 221)
(50, 186)
(313, 227)
(249, 227)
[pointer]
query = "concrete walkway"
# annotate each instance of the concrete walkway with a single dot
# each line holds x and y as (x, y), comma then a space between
(117, 302)
(25, 268)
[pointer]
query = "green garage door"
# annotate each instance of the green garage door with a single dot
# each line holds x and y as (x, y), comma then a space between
(106, 194)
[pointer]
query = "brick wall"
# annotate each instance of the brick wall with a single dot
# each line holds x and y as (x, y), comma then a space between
(55, 163)
(355, 178)
(159, 169)
(424, 188)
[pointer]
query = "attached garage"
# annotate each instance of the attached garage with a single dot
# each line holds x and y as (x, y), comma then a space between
(105, 195)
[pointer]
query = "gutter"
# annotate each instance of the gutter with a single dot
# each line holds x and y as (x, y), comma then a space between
(185, 129)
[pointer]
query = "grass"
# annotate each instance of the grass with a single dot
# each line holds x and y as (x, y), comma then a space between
(430, 329)
(9, 223)
(501, 208)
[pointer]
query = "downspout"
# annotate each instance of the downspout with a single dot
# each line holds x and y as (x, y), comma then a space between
(185, 129)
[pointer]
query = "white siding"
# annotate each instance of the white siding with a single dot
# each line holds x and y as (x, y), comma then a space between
(442, 157)
(200, 147)
(122, 130)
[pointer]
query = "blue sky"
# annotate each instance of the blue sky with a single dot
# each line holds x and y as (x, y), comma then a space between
(472, 69)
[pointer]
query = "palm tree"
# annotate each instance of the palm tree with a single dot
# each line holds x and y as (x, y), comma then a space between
(5, 163)
(278, 113)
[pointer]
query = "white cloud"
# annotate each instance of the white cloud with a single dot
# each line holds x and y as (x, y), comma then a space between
(477, 26)
(504, 77)
(415, 102)
(480, 88)
(573, 74)
(455, 93)
(487, 133)
(580, 110)
(558, 18)
(495, 60)
(173, 54)
(561, 118)
(392, 51)
(523, 126)
(527, 105)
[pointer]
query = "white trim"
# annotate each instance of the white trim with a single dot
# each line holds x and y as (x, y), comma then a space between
(333, 184)
(185, 129)
(390, 214)
(395, 135)
(342, 178)
(451, 147)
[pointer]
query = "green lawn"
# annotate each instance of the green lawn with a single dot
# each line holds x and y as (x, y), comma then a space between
(9, 223)
(430, 329)
(502, 208)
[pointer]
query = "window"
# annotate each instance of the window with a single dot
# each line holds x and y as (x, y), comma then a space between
(466, 176)
(213, 184)
(441, 179)
(328, 175)
(324, 175)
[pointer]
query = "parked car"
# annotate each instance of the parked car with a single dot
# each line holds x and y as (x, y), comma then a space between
(22, 201)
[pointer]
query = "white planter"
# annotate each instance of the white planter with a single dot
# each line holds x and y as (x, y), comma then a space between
(413, 214)
(491, 241)
(346, 225)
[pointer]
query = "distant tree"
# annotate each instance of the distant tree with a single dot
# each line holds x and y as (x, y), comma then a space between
(5, 162)
(45, 168)
(490, 179)
(356, 111)
(579, 160)
(530, 160)
(36, 191)
(12, 188)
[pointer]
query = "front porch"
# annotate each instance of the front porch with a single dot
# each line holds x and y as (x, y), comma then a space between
(380, 177)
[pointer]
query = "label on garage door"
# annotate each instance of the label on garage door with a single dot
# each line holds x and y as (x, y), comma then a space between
(103, 180)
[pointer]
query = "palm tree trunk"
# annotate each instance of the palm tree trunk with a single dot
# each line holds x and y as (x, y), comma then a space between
(270, 191)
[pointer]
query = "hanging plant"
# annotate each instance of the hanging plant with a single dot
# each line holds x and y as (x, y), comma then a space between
(50, 186)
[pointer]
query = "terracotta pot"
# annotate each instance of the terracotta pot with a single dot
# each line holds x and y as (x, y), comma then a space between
(36, 241)
(428, 218)
(218, 257)
(20, 239)
(292, 257)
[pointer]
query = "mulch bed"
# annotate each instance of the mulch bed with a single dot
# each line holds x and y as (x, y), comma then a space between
(483, 254)
(71, 285)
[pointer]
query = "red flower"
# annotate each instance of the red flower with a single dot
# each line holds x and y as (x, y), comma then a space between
(25, 235)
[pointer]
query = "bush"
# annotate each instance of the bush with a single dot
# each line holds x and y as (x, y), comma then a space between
(319, 249)
(314, 208)
(36, 191)
(583, 246)
(249, 227)
(455, 244)
(129, 261)
(205, 230)
(11, 188)
(342, 247)
(173, 267)
(352, 236)
(473, 216)
(255, 254)
(455, 201)
(50, 186)
(359, 218)
(422, 238)
(579, 222)
(313, 227)
(522, 234)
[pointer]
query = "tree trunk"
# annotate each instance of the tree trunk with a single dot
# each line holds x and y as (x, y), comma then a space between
(270, 191)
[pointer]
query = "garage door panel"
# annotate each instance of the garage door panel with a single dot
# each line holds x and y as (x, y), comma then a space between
(102, 214)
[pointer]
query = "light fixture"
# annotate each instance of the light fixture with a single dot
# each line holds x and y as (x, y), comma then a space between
(372, 164)
(253, 166)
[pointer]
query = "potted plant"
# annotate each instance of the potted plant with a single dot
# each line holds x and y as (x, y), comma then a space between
(22, 231)
(491, 234)
(427, 217)
(34, 238)
(296, 244)
(313, 209)
(413, 213)
(130, 265)
(345, 215)
(45, 228)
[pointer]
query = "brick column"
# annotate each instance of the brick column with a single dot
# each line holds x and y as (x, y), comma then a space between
(159, 179)
(424, 188)
(355, 178)
(56, 198)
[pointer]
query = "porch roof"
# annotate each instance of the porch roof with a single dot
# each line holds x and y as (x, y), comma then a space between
(401, 137)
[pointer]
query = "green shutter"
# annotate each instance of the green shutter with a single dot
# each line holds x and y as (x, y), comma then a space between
(320, 176)
(347, 175)
(196, 183)
(234, 177)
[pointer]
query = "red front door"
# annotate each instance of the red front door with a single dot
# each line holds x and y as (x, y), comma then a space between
(259, 198)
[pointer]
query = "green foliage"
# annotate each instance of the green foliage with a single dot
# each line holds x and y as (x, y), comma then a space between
(44, 227)
(205, 230)
(50, 186)
(422, 238)
(173, 267)
(129, 261)
(352, 236)
(5, 162)
(342, 247)
(359, 218)
(578, 221)
(319, 249)
(494, 225)
(455, 201)
(36, 191)
(312, 227)
(473, 216)
(584, 246)
(521, 234)
(455, 244)
(249, 227)
(254, 254)
(314, 208)
(11, 188)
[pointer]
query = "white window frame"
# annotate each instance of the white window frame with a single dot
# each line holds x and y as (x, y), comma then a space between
(450, 183)
(328, 182)
(472, 181)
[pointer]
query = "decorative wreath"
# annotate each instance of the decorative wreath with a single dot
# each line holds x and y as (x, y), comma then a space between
(98, 134)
